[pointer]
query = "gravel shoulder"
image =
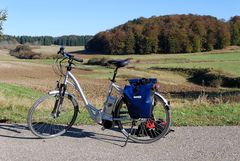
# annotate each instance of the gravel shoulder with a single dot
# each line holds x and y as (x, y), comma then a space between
(91, 143)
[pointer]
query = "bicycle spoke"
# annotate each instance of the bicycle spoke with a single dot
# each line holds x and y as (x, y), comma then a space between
(41, 125)
(142, 132)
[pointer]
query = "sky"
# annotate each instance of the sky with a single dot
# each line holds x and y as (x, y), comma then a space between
(88, 17)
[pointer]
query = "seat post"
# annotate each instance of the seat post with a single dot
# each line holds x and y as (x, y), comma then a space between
(114, 75)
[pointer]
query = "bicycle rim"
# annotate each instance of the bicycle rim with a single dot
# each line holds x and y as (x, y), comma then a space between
(44, 124)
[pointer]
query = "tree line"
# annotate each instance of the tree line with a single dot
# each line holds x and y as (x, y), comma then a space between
(168, 34)
(71, 40)
(3, 17)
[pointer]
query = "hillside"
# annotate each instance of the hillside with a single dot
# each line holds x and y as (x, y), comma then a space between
(168, 34)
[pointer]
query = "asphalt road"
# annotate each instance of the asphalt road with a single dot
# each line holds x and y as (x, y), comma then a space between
(91, 143)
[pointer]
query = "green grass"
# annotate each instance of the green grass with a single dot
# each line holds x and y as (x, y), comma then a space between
(224, 63)
(14, 114)
(212, 115)
(207, 115)
(15, 102)
(227, 62)
(18, 114)
(18, 91)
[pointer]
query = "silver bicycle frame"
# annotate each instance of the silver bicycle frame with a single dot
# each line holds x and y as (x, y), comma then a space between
(96, 114)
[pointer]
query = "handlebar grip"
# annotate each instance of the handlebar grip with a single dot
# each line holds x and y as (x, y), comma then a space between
(78, 60)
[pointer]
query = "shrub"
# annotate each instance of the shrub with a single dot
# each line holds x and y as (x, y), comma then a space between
(25, 52)
(216, 82)
(206, 77)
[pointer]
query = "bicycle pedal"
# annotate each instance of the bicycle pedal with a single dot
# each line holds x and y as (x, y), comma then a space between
(103, 128)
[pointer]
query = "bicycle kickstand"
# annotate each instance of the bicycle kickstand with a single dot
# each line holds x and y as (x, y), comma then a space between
(129, 134)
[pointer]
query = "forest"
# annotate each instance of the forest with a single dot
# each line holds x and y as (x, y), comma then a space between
(71, 40)
(168, 34)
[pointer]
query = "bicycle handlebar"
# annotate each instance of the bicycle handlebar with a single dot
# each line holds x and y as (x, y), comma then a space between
(72, 57)
(69, 56)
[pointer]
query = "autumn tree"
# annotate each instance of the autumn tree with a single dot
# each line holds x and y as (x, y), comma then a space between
(223, 36)
(196, 41)
(129, 43)
(235, 30)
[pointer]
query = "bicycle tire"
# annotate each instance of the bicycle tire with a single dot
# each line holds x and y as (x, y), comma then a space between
(48, 127)
(121, 112)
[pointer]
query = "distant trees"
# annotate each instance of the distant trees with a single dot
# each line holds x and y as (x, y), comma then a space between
(71, 40)
(168, 34)
(37, 40)
(3, 17)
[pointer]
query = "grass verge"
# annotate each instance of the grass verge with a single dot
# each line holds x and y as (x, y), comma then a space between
(15, 102)
(214, 115)
(18, 91)
(207, 115)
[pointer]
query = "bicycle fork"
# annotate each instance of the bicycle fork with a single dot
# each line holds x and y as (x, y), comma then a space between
(59, 100)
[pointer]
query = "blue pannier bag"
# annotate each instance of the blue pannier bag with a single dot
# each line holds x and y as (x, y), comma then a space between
(139, 96)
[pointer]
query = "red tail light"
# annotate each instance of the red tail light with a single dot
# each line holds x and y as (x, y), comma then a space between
(156, 87)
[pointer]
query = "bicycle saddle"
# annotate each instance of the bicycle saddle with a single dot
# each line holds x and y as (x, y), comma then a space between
(119, 63)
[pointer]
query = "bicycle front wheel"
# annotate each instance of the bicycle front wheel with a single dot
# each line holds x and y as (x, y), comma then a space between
(144, 130)
(48, 118)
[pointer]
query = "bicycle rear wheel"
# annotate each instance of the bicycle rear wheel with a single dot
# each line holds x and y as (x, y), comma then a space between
(144, 130)
(46, 122)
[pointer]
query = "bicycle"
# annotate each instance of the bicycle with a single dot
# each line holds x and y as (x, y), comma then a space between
(54, 113)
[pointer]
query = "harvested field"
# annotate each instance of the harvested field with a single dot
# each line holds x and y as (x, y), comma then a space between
(95, 83)
(94, 79)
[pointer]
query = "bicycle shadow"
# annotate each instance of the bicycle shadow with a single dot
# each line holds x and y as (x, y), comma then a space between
(14, 131)
(111, 138)
(19, 131)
